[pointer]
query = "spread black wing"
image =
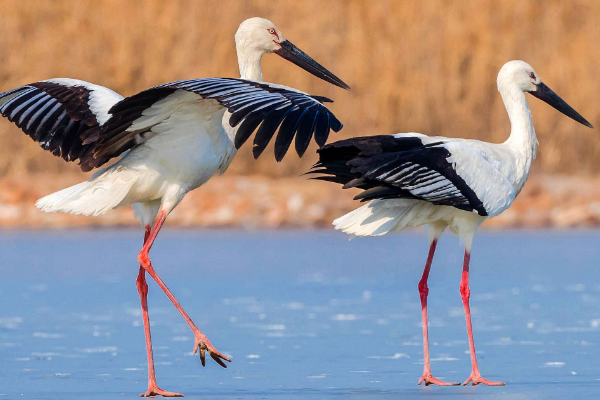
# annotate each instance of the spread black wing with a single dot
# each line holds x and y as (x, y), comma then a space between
(63, 115)
(254, 106)
(387, 167)
(77, 120)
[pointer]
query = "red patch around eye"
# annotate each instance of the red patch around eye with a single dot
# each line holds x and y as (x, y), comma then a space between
(273, 32)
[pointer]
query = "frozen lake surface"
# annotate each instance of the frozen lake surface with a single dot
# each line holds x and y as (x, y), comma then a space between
(304, 315)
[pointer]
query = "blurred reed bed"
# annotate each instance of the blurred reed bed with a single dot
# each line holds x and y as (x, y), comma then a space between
(425, 66)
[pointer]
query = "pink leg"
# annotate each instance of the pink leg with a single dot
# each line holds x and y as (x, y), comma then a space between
(153, 389)
(201, 341)
(475, 377)
(424, 291)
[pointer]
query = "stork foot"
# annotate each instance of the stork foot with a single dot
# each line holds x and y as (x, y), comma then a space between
(204, 345)
(156, 391)
(430, 380)
(476, 379)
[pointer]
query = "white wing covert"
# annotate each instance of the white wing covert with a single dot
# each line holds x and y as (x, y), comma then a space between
(478, 169)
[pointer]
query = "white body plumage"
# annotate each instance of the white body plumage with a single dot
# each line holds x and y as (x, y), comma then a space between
(413, 180)
(496, 173)
(187, 146)
(183, 136)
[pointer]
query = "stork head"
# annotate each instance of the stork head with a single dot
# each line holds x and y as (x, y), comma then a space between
(524, 76)
(258, 36)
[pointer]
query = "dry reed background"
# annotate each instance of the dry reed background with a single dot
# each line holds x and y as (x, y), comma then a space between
(425, 66)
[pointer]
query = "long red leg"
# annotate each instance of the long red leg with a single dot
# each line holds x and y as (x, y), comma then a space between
(423, 292)
(475, 377)
(142, 286)
(201, 341)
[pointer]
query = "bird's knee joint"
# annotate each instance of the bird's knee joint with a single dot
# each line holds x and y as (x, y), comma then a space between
(144, 259)
(423, 289)
(465, 291)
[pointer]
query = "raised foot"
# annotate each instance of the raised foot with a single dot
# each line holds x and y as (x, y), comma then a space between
(155, 391)
(204, 345)
(477, 379)
(430, 380)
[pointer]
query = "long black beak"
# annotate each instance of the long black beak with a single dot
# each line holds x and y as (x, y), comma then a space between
(292, 53)
(546, 94)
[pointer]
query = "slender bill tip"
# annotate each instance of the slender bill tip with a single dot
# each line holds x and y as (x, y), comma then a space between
(290, 52)
(547, 95)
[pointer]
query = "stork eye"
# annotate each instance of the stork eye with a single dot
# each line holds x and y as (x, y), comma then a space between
(272, 31)
(531, 75)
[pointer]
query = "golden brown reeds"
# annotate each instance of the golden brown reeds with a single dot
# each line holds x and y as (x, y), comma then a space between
(426, 66)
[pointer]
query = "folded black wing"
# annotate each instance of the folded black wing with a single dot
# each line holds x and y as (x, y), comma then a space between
(254, 106)
(387, 167)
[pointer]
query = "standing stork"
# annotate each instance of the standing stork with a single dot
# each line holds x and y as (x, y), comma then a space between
(171, 139)
(412, 180)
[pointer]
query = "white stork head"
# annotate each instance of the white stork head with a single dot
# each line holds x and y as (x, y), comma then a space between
(258, 36)
(523, 75)
(520, 73)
